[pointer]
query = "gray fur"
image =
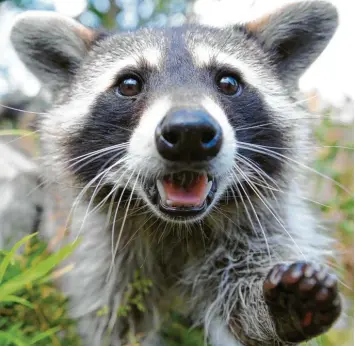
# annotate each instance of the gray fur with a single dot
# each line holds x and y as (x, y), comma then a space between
(216, 264)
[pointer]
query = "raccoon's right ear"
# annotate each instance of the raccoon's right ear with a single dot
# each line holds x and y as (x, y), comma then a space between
(295, 35)
(51, 45)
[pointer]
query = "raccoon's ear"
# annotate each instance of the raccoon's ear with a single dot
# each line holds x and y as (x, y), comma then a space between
(296, 35)
(51, 45)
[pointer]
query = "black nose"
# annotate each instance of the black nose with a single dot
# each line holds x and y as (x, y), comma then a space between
(188, 135)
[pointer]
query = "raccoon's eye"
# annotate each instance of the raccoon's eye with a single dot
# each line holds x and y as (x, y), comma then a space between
(229, 85)
(129, 86)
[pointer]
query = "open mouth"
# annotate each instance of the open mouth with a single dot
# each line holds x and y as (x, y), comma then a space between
(185, 193)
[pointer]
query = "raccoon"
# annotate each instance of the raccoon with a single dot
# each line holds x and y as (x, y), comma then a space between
(180, 153)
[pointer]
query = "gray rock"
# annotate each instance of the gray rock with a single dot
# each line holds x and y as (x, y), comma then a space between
(21, 197)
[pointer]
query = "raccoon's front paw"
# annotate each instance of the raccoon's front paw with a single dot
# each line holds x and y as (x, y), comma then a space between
(303, 300)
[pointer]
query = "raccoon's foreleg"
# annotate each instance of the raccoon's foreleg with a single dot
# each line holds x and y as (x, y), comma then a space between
(245, 296)
(303, 300)
(248, 319)
(293, 304)
(227, 295)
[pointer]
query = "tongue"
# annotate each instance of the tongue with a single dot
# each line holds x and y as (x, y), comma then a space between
(192, 195)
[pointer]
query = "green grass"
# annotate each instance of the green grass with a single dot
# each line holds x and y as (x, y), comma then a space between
(33, 312)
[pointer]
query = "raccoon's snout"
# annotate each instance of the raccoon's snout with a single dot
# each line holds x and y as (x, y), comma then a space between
(188, 135)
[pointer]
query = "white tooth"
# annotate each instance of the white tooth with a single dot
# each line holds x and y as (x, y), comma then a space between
(207, 191)
(204, 174)
(161, 190)
(168, 202)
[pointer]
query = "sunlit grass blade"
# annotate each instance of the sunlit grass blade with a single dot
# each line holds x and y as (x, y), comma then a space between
(9, 256)
(36, 272)
(15, 299)
(44, 335)
(9, 337)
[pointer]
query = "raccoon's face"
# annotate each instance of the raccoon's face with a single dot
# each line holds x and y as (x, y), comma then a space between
(180, 118)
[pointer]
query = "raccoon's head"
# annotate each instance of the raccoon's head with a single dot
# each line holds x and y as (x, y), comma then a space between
(180, 118)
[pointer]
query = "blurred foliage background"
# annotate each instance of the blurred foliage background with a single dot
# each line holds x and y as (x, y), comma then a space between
(32, 311)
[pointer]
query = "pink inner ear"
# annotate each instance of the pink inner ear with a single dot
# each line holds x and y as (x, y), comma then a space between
(258, 24)
(191, 195)
(86, 34)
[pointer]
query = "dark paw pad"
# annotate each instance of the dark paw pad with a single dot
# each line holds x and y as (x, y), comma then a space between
(303, 300)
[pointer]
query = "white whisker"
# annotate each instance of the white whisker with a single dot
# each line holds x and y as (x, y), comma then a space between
(268, 207)
(22, 110)
(256, 215)
(265, 151)
(123, 222)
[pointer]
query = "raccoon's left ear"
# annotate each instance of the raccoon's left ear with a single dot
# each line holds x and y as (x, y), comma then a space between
(296, 35)
(51, 45)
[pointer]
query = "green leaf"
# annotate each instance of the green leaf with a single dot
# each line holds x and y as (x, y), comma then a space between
(347, 227)
(348, 206)
(6, 336)
(44, 335)
(8, 258)
(36, 272)
(103, 311)
(19, 300)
